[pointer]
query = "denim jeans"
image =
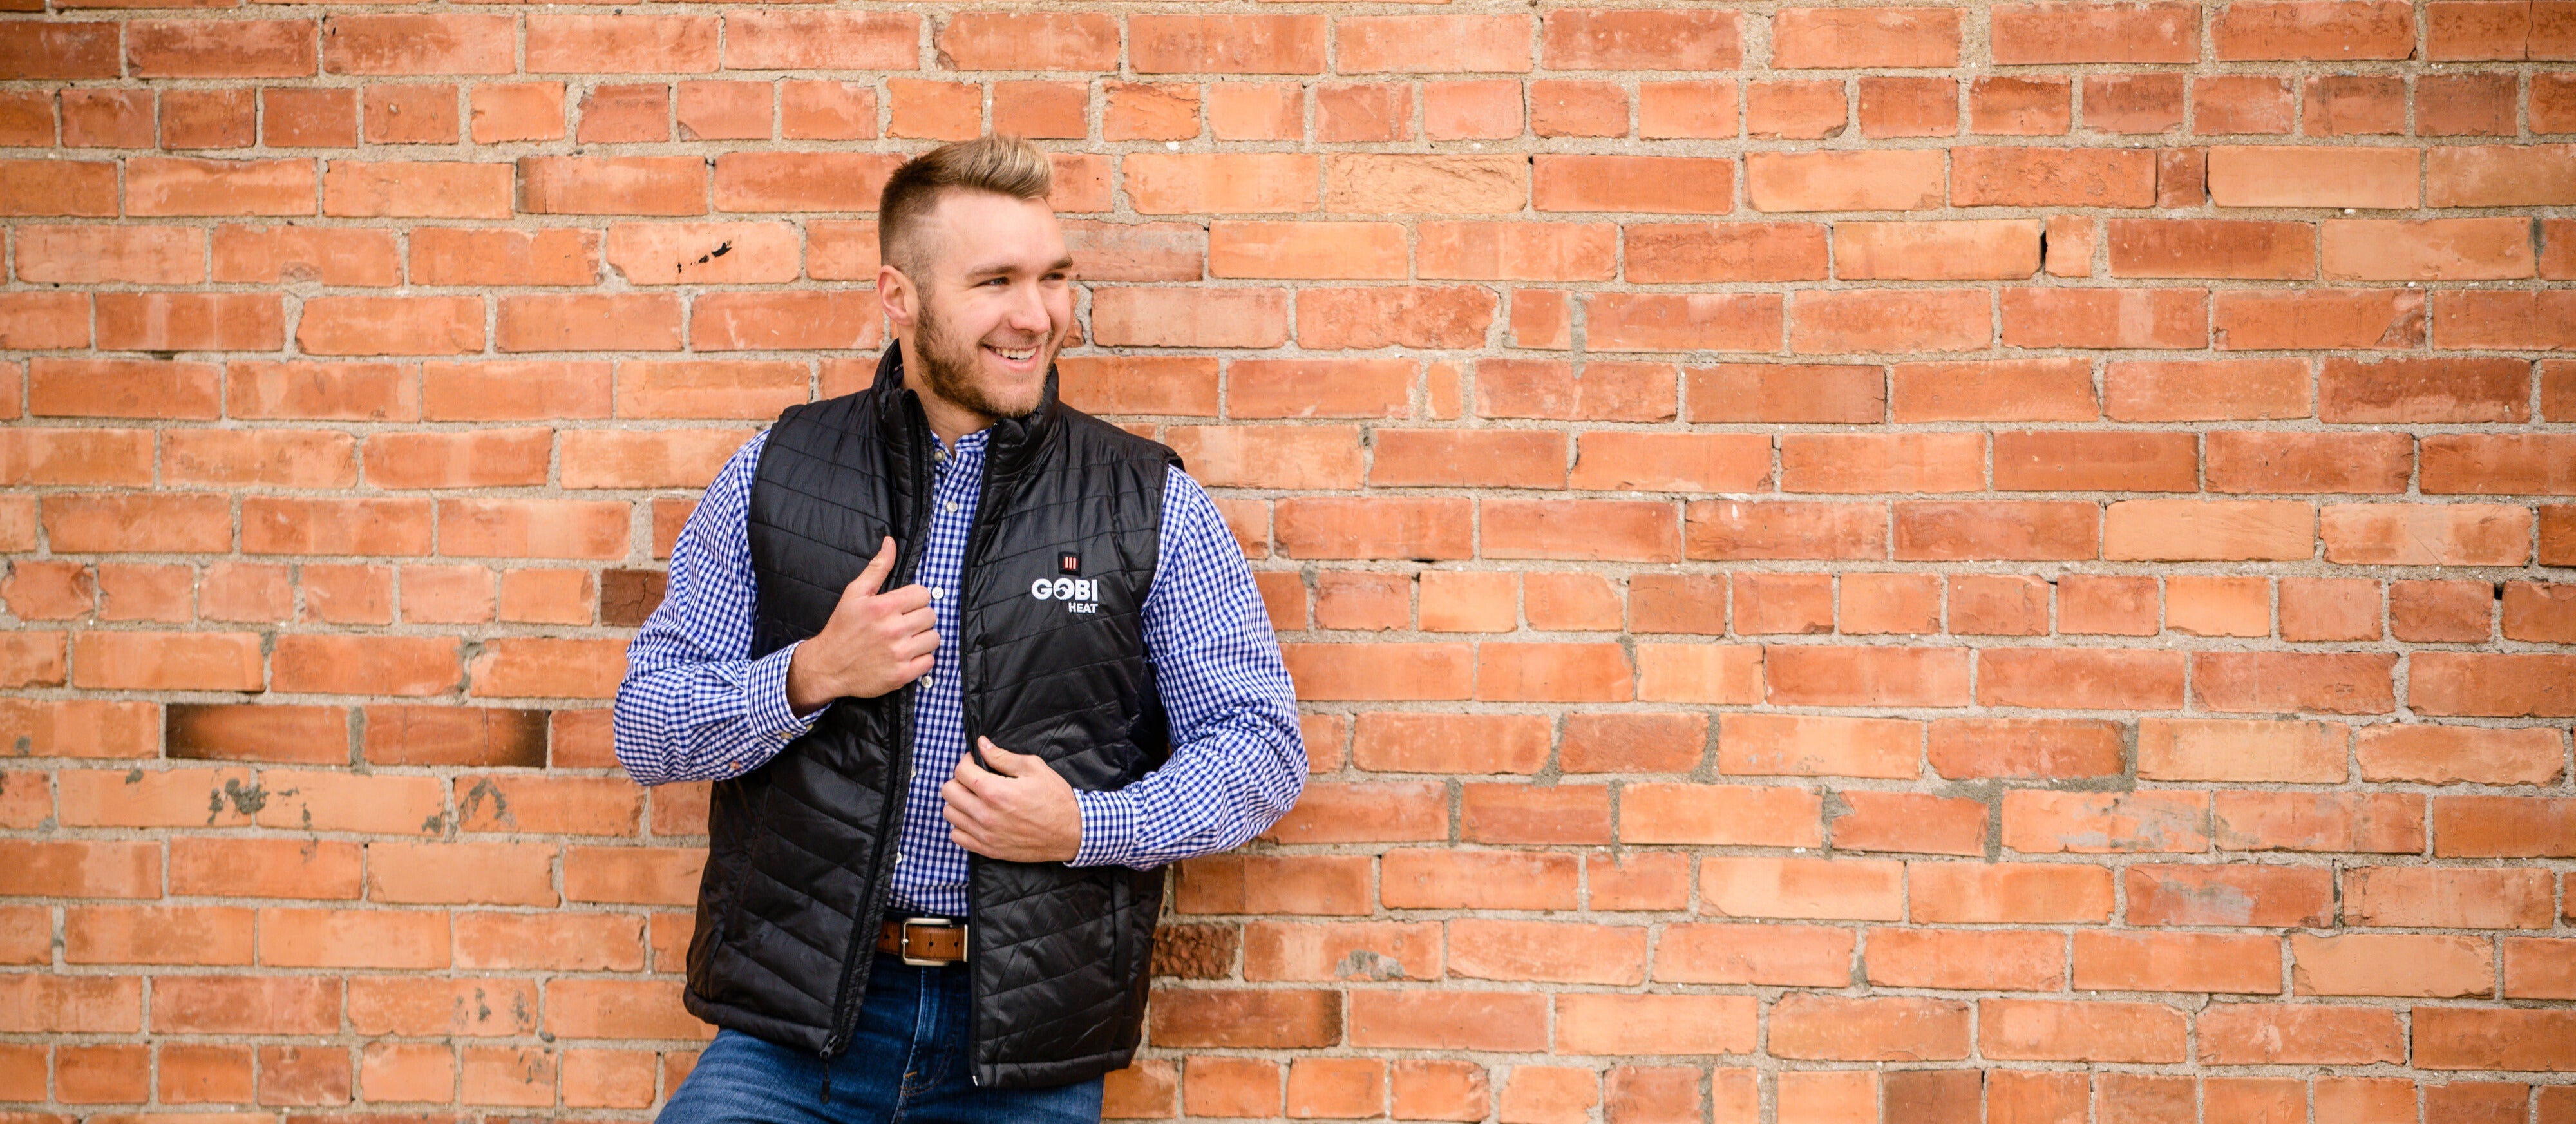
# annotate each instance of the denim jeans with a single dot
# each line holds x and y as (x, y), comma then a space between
(906, 1063)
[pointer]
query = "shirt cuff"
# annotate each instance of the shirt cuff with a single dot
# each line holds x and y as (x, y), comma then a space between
(1109, 822)
(770, 715)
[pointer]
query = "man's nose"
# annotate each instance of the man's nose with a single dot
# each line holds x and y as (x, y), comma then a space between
(1028, 311)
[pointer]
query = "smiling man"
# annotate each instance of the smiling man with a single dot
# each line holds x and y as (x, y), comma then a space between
(968, 667)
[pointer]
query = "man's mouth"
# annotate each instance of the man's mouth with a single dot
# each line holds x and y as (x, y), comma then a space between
(1014, 354)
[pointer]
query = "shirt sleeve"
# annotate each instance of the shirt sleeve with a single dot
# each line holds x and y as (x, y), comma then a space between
(1237, 762)
(694, 705)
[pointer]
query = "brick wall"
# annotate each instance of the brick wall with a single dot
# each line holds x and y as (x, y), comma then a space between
(1997, 559)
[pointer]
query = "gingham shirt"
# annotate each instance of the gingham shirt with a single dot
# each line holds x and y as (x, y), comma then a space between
(695, 706)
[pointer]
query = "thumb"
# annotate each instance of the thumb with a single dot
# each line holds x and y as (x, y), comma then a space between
(873, 578)
(1004, 761)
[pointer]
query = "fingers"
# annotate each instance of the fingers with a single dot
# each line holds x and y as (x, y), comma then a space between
(965, 832)
(918, 622)
(1004, 761)
(914, 668)
(960, 806)
(971, 778)
(907, 599)
(874, 576)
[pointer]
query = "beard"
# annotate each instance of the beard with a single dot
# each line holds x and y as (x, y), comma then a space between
(948, 367)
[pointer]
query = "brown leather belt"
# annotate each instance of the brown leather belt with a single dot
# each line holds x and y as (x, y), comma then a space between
(924, 940)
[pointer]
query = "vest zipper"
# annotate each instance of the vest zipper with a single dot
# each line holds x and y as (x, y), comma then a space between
(845, 1011)
(978, 537)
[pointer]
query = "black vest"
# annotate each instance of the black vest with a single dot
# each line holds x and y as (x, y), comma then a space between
(800, 850)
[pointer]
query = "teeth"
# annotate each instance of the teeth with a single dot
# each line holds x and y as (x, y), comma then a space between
(1015, 356)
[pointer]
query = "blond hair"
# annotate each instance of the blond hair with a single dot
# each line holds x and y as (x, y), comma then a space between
(998, 163)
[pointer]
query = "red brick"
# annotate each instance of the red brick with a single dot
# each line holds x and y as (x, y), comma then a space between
(245, 1005)
(2498, 175)
(2028, 531)
(2242, 895)
(1790, 955)
(2391, 964)
(1900, 821)
(1190, 318)
(2009, 893)
(2314, 29)
(1877, 38)
(2052, 177)
(2428, 250)
(1226, 44)
(2492, 464)
(1030, 41)
(1497, 44)
(2016, 106)
(2426, 534)
(1937, 251)
(2301, 1034)
(2225, 248)
(2244, 461)
(190, 322)
(2059, 33)
(1967, 961)
(1810, 110)
(60, 50)
(2181, 962)
(62, 187)
(1574, 602)
(1908, 107)
(1654, 1024)
(1888, 180)
(2080, 1031)
(1651, 184)
(1720, 814)
(1890, 320)
(1439, 1090)
(1323, 952)
(2081, 461)
(1552, 952)
(1238, 884)
(1306, 250)
(1831, 889)
(2465, 1038)
(2068, 822)
(2105, 318)
(1440, 879)
(793, 40)
(1870, 1029)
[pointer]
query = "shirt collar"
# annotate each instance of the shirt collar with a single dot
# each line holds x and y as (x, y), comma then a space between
(971, 444)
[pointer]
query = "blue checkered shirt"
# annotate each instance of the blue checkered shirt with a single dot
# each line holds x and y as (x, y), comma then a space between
(695, 706)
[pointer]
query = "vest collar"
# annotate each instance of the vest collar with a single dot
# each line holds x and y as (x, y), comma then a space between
(1014, 444)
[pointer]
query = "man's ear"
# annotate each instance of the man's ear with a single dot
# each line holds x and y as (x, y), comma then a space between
(898, 296)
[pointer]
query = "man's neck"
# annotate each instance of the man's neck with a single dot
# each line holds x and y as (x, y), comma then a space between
(948, 420)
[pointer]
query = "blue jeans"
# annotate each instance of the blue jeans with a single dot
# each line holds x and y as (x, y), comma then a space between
(906, 1065)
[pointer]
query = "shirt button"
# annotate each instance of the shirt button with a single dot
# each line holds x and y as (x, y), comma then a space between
(949, 508)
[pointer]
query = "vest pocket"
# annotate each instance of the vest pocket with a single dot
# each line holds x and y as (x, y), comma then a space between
(1121, 930)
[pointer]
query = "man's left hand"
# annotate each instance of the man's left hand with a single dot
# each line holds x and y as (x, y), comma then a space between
(1018, 810)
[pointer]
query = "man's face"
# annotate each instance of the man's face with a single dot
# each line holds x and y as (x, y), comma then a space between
(995, 304)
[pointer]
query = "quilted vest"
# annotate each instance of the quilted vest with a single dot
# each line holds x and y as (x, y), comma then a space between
(800, 851)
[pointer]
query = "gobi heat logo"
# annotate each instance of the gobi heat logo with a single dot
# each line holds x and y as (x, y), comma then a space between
(1080, 595)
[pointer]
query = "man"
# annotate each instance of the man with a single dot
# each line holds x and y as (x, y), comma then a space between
(891, 924)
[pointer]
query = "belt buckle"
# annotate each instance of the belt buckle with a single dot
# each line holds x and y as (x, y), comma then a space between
(903, 947)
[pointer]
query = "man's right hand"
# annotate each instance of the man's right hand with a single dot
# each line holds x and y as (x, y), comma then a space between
(874, 643)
